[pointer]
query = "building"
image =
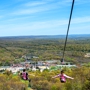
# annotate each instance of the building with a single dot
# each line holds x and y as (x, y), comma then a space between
(87, 55)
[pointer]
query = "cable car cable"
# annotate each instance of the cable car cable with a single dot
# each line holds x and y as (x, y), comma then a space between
(67, 31)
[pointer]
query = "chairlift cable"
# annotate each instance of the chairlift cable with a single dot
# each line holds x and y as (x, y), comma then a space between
(67, 31)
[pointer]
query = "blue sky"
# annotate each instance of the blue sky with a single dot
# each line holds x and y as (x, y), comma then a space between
(43, 17)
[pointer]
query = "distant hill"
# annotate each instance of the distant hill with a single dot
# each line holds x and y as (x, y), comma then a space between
(76, 36)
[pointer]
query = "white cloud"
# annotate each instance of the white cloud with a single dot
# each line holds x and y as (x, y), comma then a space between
(81, 20)
(39, 6)
(23, 15)
(47, 27)
(44, 24)
(29, 11)
(29, 4)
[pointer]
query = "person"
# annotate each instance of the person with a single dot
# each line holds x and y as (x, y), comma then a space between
(24, 75)
(62, 77)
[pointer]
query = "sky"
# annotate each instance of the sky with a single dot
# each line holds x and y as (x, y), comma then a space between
(43, 17)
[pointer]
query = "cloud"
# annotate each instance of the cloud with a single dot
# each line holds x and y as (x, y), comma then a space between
(78, 25)
(33, 7)
(29, 11)
(23, 16)
(44, 24)
(81, 20)
(39, 6)
(29, 4)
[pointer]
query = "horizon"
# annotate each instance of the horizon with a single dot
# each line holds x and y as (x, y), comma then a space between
(45, 35)
(39, 17)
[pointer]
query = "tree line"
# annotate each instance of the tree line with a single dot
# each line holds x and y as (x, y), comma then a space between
(45, 49)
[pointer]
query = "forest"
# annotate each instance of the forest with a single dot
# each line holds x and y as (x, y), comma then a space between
(46, 48)
(44, 81)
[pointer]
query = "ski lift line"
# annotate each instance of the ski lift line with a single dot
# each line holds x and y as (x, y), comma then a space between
(68, 29)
